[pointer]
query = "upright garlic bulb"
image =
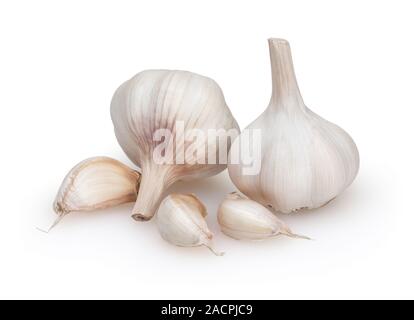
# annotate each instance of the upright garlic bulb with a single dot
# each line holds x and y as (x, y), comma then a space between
(186, 105)
(306, 161)
(244, 219)
(96, 183)
(180, 220)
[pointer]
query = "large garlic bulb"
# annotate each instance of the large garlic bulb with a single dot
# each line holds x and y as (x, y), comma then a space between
(159, 111)
(306, 161)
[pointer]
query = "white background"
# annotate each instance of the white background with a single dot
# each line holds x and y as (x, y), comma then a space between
(60, 62)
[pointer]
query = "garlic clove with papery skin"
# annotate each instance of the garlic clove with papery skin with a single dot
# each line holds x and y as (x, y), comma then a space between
(305, 161)
(96, 183)
(163, 120)
(181, 222)
(243, 219)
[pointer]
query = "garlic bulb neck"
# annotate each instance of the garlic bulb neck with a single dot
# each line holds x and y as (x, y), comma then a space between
(285, 89)
(155, 181)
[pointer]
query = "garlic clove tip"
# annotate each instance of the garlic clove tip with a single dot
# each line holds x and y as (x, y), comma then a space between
(59, 218)
(290, 234)
(214, 250)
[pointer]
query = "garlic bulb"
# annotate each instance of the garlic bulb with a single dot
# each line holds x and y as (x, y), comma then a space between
(306, 161)
(166, 122)
(244, 219)
(96, 183)
(180, 220)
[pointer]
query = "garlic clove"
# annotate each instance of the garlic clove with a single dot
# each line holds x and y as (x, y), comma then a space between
(244, 219)
(96, 183)
(161, 107)
(181, 222)
(305, 161)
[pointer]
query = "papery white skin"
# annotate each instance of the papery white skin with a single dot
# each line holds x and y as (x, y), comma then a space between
(96, 183)
(306, 161)
(181, 221)
(158, 99)
(244, 219)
